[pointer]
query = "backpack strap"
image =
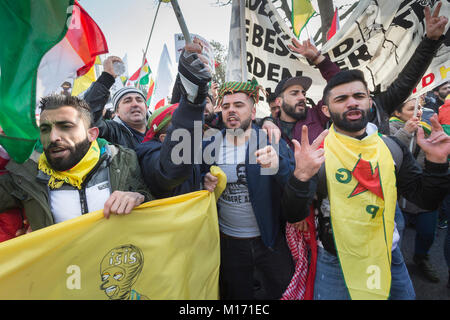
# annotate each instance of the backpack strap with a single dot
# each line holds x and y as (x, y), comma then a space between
(396, 151)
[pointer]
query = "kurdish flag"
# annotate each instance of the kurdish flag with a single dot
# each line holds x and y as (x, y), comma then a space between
(36, 56)
(82, 83)
(302, 11)
(151, 88)
(141, 76)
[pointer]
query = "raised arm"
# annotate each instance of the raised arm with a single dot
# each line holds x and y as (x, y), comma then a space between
(413, 71)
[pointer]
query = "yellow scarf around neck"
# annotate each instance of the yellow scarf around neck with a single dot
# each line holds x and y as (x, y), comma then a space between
(75, 175)
(362, 192)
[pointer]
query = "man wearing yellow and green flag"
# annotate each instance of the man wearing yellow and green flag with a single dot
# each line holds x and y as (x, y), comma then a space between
(358, 256)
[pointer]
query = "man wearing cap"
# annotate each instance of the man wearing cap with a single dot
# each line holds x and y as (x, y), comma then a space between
(129, 126)
(295, 114)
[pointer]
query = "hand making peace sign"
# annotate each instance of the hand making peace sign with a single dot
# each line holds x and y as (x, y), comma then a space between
(308, 157)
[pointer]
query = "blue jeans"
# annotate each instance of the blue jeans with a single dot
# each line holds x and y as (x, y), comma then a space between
(400, 222)
(330, 285)
(426, 223)
(446, 209)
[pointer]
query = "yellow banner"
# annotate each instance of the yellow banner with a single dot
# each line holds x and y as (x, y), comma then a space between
(164, 249)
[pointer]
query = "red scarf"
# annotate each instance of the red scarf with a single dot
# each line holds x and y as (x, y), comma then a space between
(301, 286)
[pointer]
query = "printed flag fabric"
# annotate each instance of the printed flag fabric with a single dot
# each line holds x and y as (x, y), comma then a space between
(361, 186)
(378, 38)
(141, 76)
(36, 59)
(334, 25)
(164, 249)
(163, 82)
(302, 11)
(151, 88)
(82, 83)
(20, 54)
(74, 56)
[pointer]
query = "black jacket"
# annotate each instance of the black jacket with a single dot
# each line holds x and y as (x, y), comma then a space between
(401, 88)
(426, 188)
(164, 177)
(297, 198)
(115, 131)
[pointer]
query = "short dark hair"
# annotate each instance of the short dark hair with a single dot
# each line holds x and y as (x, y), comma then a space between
(400, 107)
(437, 88)
(271, 98)
(56, 101)
(340, 78)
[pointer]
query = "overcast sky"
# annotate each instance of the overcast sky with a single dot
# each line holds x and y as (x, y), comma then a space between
(126, 25)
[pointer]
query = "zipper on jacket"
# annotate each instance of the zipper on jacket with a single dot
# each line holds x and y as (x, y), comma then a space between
(82, 191)
(83, 201)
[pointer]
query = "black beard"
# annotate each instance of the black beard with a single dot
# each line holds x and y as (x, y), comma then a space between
(76, 154)
(245, 124)
(290, 111)
(342, 123)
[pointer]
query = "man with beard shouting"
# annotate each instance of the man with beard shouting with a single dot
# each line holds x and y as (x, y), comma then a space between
(290, 93)
(77, 173)
(358, 252)
(253, 246)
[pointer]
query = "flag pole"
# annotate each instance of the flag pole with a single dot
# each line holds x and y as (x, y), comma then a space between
(243, 46)
(148, 41)
(181, 22)
(151, 31)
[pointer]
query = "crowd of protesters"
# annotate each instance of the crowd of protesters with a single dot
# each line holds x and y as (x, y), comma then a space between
(287, 174)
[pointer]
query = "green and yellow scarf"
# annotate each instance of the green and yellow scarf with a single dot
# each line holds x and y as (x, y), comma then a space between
(426, 127)
(75, 175)
(362, 192)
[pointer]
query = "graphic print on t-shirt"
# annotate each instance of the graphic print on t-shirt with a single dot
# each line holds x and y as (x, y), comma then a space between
(236, 216)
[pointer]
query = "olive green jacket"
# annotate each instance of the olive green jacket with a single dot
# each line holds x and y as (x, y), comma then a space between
(21, 188)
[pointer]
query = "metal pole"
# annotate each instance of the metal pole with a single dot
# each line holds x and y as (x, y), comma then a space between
(244, 73)
(150, 35)
(181, 22)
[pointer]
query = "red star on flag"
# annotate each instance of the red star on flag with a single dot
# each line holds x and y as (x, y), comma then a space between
(367, 178)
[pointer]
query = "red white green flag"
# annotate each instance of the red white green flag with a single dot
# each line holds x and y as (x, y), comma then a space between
(151, 88)
(37, 58)
(141, 76)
